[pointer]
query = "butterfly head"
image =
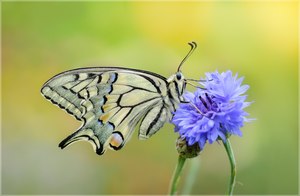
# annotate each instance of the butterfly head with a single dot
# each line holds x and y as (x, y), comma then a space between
(177, 84)
(177, 77)
(181, 83)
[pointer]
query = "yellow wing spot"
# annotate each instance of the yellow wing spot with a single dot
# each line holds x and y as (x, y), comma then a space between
(109, 106)
(112, 98)
(106, 116)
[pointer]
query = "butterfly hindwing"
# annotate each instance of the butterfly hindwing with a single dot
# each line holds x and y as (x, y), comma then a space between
(153, 121)
(110, 102)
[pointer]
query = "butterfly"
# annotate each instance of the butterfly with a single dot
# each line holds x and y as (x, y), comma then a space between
(112, 101)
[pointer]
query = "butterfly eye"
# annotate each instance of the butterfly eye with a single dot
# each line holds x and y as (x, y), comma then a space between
(178, 76)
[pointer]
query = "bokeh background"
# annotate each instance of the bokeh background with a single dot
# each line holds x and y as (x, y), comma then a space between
(257, 39)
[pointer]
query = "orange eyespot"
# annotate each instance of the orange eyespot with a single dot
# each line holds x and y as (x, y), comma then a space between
(116, 140)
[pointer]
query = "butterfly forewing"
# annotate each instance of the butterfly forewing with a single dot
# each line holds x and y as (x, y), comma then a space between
(110, 102)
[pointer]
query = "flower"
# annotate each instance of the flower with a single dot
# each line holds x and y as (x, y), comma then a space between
(215, 111)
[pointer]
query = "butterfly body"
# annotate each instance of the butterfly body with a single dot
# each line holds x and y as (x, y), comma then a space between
(111, 101)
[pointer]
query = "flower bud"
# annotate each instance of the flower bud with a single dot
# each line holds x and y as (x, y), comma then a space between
(187, 151)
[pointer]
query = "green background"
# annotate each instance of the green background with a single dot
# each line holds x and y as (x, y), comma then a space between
(259, 40)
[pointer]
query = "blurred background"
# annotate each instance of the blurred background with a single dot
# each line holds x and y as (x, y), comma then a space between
(259, 40)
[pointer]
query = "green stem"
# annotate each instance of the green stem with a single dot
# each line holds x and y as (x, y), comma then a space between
(192, 173)
(230, 154)
(176, 175)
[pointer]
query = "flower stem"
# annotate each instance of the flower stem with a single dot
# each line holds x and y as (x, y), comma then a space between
(192, 173)
(230, 154)
(176, 175)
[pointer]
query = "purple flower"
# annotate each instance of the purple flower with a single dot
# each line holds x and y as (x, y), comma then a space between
(214, 112)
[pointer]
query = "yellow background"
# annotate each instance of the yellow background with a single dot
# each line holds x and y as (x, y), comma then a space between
(257, 39)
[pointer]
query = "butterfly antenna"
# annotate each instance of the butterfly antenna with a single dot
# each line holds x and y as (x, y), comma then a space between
(194, 80)
(193, 85)
(193, 47)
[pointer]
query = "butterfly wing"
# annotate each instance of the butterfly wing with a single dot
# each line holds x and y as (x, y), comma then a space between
(110, 102)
